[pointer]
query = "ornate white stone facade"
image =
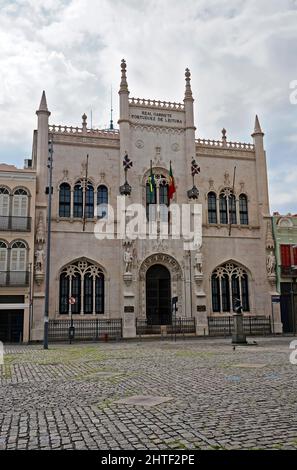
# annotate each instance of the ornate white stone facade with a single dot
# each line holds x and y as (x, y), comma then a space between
(157, 131)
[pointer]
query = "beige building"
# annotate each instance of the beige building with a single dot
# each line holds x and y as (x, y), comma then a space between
(17, 210)
(116, 278)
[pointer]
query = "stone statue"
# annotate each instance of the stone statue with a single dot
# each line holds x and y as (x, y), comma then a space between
(270, 264)
(198, 261)
(128, 259)
(39, 258)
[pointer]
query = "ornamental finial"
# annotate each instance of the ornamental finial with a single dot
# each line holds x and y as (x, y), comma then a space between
(124, 84)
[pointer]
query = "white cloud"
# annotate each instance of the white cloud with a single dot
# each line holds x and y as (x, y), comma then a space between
(241, 55)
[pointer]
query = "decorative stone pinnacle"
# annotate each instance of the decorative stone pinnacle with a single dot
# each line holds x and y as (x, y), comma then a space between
(188, 92)
(224, 136)
(43, 104)
(188, 75)
(124, 84)
(257, 129)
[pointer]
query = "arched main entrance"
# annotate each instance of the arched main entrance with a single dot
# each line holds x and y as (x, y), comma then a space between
(158, 295)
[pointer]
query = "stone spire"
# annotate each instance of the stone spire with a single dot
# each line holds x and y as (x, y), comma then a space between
(43, 105)
(188, 91)
(124, 84)
(257, 129)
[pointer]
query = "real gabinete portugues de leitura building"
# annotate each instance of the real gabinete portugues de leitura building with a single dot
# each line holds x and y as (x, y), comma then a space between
(135, 280)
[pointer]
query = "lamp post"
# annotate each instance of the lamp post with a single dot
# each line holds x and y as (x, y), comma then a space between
(48, 241)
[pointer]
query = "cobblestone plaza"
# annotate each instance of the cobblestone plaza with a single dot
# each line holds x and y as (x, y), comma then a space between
(188, 394)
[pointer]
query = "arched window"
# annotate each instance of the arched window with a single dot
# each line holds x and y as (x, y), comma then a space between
(83, 200)
(85, 283)
(227, 207)
(243, 209)
(3, 262)
(212, 208)
(229, 282)
(64, 200)
(102, 201)
(4, 202)
(89, 205)
(20, 203)
(157, 193)
(78, 200)
(18, 263)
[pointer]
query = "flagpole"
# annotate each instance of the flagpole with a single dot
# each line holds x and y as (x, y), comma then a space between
(230, 211)
(85, 187)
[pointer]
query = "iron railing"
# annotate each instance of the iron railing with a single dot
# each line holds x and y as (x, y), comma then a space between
(94, 330)
(15, 223)
(14, 278)
(178, 326)
(224, 326)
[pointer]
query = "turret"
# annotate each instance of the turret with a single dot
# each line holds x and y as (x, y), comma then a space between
(189, 126)
(42, 144)
(261, 169)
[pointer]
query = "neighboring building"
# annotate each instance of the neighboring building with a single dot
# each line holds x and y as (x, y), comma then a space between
(117, 278)
(285, 234)
(17, 209)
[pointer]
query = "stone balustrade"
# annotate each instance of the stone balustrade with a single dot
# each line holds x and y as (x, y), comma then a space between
(224, 144)
(83, 131)
(156, 104)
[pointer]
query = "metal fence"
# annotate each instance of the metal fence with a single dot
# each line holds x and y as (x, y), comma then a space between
(92, 330)
(224, 326)
(178, 326)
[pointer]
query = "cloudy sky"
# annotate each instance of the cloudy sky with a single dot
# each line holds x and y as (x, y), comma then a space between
(242, 55)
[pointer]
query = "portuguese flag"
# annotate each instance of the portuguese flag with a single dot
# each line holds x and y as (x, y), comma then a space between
(152, 186)
(171, 187)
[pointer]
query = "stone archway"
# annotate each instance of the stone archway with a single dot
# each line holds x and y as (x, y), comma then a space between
(176, 280)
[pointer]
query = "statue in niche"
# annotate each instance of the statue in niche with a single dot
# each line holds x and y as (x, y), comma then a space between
(128, 259)
(39, 259)
(198, 261)
(270, 264)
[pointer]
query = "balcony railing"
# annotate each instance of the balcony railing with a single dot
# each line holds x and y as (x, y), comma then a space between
(14, 278)
(15, 223)
(289, 271)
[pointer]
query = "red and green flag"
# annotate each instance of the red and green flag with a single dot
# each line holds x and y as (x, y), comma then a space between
(171, 187)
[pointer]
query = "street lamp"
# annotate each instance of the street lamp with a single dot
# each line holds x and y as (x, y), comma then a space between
(48, 241)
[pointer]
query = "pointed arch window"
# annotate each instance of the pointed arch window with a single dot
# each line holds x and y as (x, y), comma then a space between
(212, 208)
(102, 202)
(157, 193)
(229, 282)
(78, 200)
(64, 200)
(85, 282)
(89, 206)
(227, 207)
(243, 209)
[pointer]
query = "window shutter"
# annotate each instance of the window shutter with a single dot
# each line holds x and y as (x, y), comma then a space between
(14, 259)
(3, 259)
(23, 206)
(4, 204)
(285, 255)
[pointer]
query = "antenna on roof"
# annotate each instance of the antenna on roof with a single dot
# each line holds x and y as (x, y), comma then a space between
(111, 110)
(91, 119)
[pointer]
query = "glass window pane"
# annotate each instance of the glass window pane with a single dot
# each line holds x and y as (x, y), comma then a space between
(223, 210)
(99, 294)
(64, 294)
(88, 294)
(212, 208)
(78, 201)
(215, 288)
